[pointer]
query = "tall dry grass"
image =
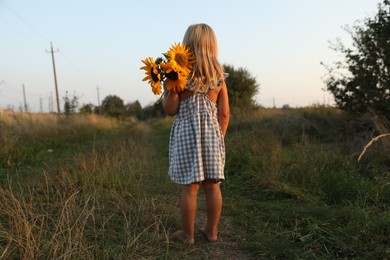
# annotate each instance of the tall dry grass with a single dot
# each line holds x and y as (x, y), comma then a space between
(93, 208)
(31, 228)
(382, 130)
(26, 136)
(30, 125)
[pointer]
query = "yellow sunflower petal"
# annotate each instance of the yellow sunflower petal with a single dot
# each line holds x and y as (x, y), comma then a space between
(181, 58)
(152, 75)
(156, 88)
(167, 67)
(176, 82)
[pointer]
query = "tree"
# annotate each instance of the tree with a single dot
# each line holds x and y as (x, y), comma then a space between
(98, 110)
(242, 88)
(87, 109)
(362, 81)
(134, 109)
(113, 106)
(154, 110)
(70, 104)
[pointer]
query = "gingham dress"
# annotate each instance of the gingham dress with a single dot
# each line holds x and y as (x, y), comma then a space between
(196, 146)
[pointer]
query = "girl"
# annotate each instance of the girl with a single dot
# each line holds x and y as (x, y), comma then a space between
(196, 147)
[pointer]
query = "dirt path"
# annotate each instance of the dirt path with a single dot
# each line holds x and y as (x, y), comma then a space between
(227, 246)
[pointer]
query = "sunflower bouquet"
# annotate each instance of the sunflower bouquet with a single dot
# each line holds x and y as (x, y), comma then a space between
(173, 69)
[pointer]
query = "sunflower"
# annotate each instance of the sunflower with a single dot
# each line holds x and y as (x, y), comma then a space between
(153, 75)
(175, 80)
(180, 56)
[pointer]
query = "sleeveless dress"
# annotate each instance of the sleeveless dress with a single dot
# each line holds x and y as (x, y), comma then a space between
(196, 145)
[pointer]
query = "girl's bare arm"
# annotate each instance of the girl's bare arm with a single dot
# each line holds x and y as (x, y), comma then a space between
(223, 109)
(171, 102)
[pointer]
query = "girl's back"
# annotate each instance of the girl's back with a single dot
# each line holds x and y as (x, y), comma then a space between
(197, 150)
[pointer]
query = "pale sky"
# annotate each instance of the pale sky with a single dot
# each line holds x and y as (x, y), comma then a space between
(101, 44)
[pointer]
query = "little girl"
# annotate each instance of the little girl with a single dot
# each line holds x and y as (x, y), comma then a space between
(196, 147)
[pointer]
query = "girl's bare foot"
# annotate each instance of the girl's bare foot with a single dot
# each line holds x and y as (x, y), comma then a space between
(180, 236)
(206, 235)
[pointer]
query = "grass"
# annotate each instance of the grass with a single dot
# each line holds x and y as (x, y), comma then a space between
(294, 189)
(28, 140)
(307, 195)
(91, 207)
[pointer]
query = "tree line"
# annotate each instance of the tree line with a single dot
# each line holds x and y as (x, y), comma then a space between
(241, 84)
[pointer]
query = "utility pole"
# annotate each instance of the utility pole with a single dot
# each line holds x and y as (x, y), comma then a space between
(98, 95)
(51, 102)
(55, 76)
(40, 105)
(1, 83)
(24, 98)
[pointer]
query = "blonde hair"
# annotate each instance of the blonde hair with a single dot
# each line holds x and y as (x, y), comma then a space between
(207, 71)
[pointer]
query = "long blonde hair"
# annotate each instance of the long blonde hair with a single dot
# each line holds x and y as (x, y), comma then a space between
(207, 71)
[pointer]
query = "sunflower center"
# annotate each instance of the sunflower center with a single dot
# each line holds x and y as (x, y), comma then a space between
(154, 75)
(181, 59)
(172, 75)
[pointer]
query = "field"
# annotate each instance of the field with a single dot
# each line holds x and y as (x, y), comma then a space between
(89, 187)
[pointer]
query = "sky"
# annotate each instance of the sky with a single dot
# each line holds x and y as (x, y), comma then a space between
(99, 46)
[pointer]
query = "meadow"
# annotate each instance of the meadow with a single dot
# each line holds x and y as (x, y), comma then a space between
(90, 187)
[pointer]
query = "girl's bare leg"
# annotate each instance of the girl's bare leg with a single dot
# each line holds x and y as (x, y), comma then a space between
(188, 204)
(213, 194)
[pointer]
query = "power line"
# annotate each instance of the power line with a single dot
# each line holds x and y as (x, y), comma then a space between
(43, 37)
(22, 33)
(16, 89)
(25, 22)
(79, 71)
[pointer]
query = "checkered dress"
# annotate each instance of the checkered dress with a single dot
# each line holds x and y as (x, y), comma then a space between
(196, 146)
